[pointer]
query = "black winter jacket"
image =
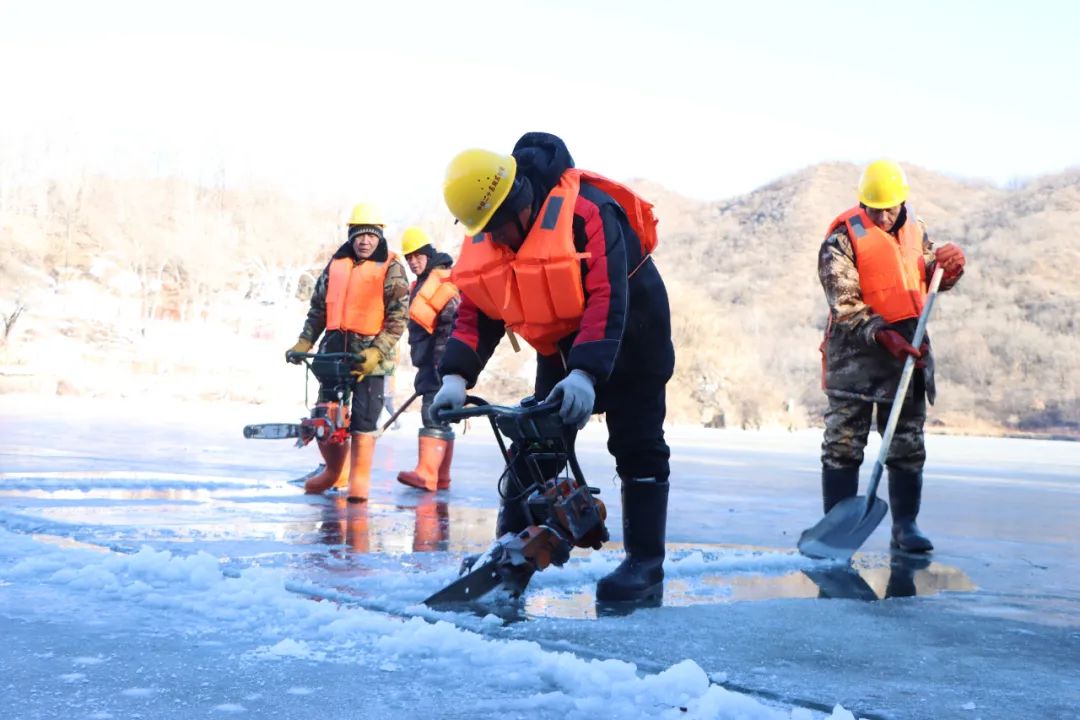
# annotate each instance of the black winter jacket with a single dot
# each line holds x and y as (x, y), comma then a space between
(625, 332)
(426, 349)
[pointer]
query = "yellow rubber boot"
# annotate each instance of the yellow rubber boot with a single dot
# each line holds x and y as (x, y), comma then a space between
(363, 452)
(335, 455)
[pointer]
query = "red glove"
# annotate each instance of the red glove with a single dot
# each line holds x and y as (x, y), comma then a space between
(895, 344)
(951, 259)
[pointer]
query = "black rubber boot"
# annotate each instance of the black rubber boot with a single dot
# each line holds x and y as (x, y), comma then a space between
(838, 484)
(905, 494)
(640, 576)
(902, 569)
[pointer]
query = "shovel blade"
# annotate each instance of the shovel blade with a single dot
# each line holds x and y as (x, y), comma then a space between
(840, 582)
(844, 529)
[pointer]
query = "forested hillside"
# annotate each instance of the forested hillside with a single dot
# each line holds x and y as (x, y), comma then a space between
(145, 288)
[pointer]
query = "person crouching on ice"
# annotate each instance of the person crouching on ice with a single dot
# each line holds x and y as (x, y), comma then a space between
(560, 257)
(359, 300)
(433, 304)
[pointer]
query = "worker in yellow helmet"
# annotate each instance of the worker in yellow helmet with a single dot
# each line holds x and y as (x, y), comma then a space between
(433, 304)
(360, 302)
(562, 258)
(875, 265)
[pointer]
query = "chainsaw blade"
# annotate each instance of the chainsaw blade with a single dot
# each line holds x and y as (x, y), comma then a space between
(471, 586)
(273, 431)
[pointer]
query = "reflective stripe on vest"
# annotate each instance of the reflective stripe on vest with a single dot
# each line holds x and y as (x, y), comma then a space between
(892, 270)
(432, 297)
(354, 295)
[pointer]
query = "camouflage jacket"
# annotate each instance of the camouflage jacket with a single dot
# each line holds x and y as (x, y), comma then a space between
(853, 364)
(395, 314)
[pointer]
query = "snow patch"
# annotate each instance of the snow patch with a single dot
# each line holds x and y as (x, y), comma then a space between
(300, 691)
(587, 569)
(231, 708)
(138, 692)
(261, 603)
(600, 688)
(89, 660)
(292, 649)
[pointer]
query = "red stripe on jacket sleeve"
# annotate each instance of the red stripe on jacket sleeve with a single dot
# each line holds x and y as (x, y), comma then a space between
(594, 321)
(467, 325)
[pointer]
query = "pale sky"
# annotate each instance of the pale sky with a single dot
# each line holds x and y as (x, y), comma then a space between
(350, 101)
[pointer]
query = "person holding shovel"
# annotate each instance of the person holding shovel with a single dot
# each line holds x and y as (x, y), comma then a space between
(875, 266)
(360, 302)
(433, 305)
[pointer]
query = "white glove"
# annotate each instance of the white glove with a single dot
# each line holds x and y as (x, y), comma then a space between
(578, 396)
(451, 395)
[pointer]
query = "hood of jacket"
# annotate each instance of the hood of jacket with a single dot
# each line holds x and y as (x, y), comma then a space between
(436, 260)
(542, 158)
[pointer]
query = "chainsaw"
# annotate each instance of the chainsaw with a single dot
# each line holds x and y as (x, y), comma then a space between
(329, 419)
(563, 512)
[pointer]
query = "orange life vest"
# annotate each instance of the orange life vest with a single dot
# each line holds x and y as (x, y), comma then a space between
(892, 270)
(354, 295)
(537, 291)
(432, 297)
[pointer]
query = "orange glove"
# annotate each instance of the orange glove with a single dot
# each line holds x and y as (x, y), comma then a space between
(951, 259)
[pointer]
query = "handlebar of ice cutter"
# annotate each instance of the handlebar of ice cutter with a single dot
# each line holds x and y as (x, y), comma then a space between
(325, 356)
(520, 421)
(482, 408)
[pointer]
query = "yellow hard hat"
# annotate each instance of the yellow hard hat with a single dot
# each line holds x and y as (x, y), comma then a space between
(413, 239)
(366, 214)
(883, 185)
(477, 182)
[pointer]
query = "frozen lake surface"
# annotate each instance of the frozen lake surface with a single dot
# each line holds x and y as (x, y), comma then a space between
(155, 564)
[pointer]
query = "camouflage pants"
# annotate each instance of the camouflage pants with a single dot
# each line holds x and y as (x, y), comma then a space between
(847, 424)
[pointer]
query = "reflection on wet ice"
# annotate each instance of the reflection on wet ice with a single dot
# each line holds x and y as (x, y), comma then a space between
(428, 525)
(874, 579)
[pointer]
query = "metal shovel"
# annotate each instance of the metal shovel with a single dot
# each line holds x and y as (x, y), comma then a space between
(850, 522)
